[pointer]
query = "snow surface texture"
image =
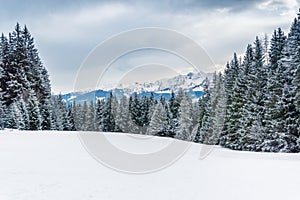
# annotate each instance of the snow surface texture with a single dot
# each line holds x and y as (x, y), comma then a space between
(54, 165)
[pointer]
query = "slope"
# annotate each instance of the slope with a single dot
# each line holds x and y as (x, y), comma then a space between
(54, 165)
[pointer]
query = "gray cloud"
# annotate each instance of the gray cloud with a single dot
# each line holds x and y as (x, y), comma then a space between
(195, 5)
(66, 31)
(37, 7)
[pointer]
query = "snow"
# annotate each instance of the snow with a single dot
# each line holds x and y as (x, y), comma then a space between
(198, 89)
(72, 97)
(164, 92)
(46, 165)
(99, 98)
(185, 82)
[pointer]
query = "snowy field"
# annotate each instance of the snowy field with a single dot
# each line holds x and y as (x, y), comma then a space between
(55, 166)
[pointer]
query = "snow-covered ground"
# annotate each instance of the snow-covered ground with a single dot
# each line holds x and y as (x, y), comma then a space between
(55, 166)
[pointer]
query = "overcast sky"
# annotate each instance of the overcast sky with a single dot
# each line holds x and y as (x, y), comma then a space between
(66, 31)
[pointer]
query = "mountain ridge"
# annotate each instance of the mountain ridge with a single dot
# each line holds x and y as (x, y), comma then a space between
(190, 83)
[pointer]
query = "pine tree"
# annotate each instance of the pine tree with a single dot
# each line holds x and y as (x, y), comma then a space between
(3, 64)
(184, 129)
(58, 112)
(2, 115)
(261, 77)
(196, 112)
(290, 63)
(174, 109)
(169, 130)
(15, 118)
(297, 96)
(2, 109)
(123, 120)
(274, 122)
(91, 122)
(23, 71)
(99, 114)
(34, 112)
(151, 104)
(83, 116)
(231, 73)
(276, 53)
(69, 122)
(25, 115)
(12, 121)
(145, 111)
(213, 114)
(159, 121)
(46, 115)
(77, 115)
(256, 98)
(206, 122)
(20, 63)
(108, 118)
(218, 109)
(10, 82)
(201, 106)
(229, 135)
(238, 128)
(266, 49)
(36, 73)
(136, 113)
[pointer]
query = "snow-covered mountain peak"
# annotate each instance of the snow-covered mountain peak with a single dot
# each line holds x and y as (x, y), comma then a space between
(185, 82)
(191, 83)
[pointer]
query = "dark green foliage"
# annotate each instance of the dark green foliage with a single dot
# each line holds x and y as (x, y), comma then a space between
(24, 80)
(108, 118)
(262, 112)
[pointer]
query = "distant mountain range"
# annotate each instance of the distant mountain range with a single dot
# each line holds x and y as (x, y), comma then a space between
(190, 83)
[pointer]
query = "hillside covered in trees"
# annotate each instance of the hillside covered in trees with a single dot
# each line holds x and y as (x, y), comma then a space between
(254, 105)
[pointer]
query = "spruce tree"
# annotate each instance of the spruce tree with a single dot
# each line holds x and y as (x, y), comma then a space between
(11, 118)
(91, 117)
(185, 126)
(159, 121)
(23, 71)
(83, 113)
(231, 118)
(255, 105)
(145, 113)
(45, 109)
(174, 109)
(218, 109)
(274, 121)
(2, 109)
(290, 63)
(151, 104)
(69, 122)
(297, 96)
(99, 114)
(123, 120)
(33, 112)
(25, 115)
(201, 106)
(213, 116)
(77, 112)
(108, 118)
(136, 113)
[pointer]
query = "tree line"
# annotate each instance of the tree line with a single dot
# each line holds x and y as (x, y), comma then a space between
(262, 95)
(254, 105)
(25, 90)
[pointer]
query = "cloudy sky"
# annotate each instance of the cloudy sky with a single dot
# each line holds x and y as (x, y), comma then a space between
(66, 31)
